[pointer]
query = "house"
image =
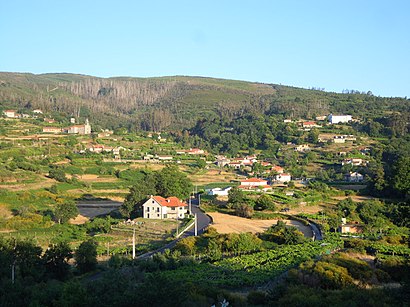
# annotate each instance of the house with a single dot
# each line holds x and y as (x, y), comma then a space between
(221, 161)
(219, 191)
(284, 177)
(52, 130)
(37, 111)
(278, 169)
(336, 119)
(157, 207)
(164, 158)
(195, 151)
(10, 113)
(49, 120)
(339, 139)
(254, 183)
(350, 228)
(322, 117)
(309, 125)
(354, 162)
(287, 120)
(302, 148)
(148, 157)
(354, 177)
(72, 120)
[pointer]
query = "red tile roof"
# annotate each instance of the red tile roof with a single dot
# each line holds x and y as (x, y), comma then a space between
(253, 180)
(169, 202)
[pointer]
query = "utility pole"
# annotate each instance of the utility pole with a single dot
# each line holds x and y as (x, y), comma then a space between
(13, 268)
(196, 225)
(133, 244)
(189, 204)
(177, 225)
(199, 200)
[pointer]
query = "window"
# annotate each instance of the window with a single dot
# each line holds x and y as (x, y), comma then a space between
(153, 201)
(148, 216)
(158, 209)
(165, 216)
(157, 215)
(147, 209)
(173, 208)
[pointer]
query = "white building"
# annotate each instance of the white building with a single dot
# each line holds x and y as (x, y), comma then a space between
(354, 177)
(219, 191)
(37, 111)
(336, 119)
(283, 177)
(10, 113)
(157, 207)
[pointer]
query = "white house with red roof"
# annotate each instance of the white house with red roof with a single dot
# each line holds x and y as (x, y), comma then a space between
(254, 183)
(158, 207)
(10, 113)
(309, 125)
(278, 169)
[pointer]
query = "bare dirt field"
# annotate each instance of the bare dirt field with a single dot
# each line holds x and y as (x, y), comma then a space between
(225, 223)
(79, 220)
(212, 176)
(97, 178)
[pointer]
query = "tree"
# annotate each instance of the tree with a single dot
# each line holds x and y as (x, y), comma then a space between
(86, 256)
(401, 175)
(56, 259)
(65, 211)
(243, 210)
(144, 186)
(265, 202)
(57, 174)
(171, 182)
(235, 196)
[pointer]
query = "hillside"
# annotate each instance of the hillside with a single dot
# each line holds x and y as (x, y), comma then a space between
(170, 103)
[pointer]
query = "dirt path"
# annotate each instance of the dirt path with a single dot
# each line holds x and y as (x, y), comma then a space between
(355, 198)
(225, 223)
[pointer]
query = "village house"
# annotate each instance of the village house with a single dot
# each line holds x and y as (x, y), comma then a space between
(218, 191)
(350, 227)
(339, 139)
(52, 130)
(337, 119)
(221, 161)
(302, 148)
(191, 151)
(354, 162)
(157, 207)
(37, 111)
(287, 120)
(278, 169)
(10, 113)
(164, 158)
(254, 183)
(310, 125)
(354, 177)
(284, 177)
(49, 120)
(320, 118)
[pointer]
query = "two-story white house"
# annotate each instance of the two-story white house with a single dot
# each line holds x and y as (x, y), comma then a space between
(157, 207)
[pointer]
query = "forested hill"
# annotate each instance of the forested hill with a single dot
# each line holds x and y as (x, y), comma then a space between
(170, 103)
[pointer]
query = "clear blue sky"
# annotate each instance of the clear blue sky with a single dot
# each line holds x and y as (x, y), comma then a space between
(336, 45)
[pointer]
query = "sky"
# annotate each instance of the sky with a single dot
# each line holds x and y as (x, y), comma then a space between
(351, 44)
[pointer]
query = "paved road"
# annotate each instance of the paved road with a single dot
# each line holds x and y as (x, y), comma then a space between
(316, 231)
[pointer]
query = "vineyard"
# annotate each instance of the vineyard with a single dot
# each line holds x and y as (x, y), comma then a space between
(251, 270)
